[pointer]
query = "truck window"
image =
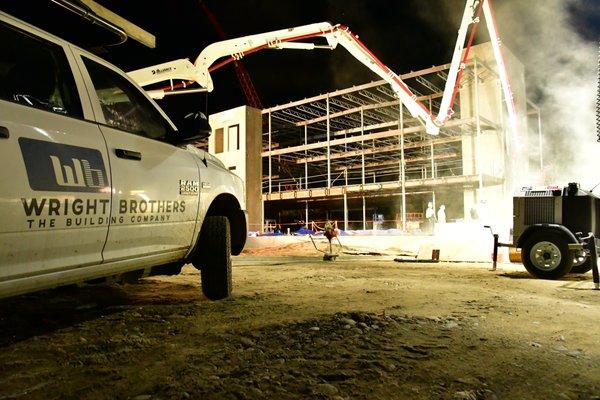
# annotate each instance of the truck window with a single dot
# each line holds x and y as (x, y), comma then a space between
(36, 73)
(123, 105)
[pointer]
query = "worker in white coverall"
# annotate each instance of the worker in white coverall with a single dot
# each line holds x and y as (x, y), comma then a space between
(430, 217)
(441, 215)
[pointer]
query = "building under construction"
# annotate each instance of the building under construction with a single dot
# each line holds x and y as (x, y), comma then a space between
(356, 156)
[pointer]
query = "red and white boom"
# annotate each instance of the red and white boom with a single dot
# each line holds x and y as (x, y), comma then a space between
(222, 53)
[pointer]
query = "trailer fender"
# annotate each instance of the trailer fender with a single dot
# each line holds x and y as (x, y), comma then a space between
(546, 227)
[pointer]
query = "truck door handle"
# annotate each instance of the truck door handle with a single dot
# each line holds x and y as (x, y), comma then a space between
(128, 154)
(4, 133)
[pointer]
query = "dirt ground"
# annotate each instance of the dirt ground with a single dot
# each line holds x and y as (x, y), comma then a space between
(296, 327)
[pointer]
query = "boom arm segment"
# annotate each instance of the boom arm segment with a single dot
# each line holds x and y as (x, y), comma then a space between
(355, 47)
(471, 14)
(235, 49)
(508, 96)
(457, 65)
(291, 38)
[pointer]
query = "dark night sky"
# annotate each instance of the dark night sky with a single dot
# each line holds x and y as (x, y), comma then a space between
(399, 32)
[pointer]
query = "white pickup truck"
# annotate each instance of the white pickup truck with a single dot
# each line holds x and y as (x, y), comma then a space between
(94, 181)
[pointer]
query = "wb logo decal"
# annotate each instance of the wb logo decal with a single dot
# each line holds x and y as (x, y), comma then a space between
(63, 168)
(78, 174)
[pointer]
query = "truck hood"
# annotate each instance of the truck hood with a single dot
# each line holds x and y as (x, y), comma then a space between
(210, 158)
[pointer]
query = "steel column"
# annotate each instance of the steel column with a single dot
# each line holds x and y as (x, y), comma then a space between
(261, 228)
(364, 213)
(345, 211)
(478, 139)
(306, 214)
(346, 201)
(362, 146)
(431, 155)
(305, 157)
(328, 146)
(270, 151)
(402, 167)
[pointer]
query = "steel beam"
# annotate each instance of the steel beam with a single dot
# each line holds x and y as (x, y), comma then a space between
(354, 191)
(380, 149)
(440, 156)
(369, 85)
(359, 138)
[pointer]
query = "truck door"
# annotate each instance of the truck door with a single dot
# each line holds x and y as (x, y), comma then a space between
(54, 170)
(153, 210)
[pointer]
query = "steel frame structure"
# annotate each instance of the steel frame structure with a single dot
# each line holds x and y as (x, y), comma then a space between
(361, 141)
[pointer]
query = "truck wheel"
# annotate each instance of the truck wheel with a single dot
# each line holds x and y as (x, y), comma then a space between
(214, 261)
(546, 255)
(581, 266)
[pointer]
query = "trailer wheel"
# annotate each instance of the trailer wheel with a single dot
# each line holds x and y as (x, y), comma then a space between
(581, 266)
(214, 260)
(546, 255)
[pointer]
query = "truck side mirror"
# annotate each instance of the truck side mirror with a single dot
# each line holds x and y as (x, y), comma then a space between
(193, 127)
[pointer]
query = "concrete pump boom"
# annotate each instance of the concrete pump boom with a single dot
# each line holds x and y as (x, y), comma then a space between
(234, 49)
(291, 38)
(457, 65)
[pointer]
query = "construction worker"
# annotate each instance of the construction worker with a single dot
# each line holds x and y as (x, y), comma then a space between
(430, 216)
(441, 215)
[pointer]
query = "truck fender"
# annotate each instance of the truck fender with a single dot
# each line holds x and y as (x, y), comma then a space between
(227, 205)
(545, 227)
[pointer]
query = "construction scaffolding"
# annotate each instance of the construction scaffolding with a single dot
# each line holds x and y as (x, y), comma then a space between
(360, 142)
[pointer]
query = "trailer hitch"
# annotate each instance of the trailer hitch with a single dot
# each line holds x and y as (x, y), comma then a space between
(496, 245)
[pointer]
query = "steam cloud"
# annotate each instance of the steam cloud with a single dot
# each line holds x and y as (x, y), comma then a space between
(561, 78)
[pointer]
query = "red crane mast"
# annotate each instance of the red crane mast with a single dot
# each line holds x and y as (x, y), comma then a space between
(243, 76)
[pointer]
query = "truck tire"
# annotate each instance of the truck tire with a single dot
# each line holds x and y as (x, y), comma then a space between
(214, 262)
(546, 255)
(582, 267)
